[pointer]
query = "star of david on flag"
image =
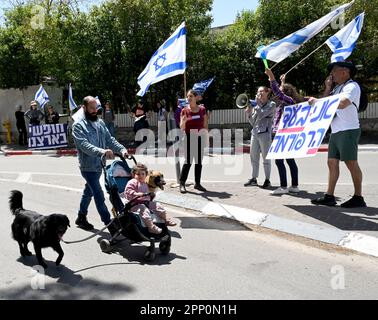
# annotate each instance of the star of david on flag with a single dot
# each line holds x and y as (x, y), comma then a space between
(160, 61)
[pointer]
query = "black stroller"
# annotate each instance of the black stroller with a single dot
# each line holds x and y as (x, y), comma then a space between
(126, 222)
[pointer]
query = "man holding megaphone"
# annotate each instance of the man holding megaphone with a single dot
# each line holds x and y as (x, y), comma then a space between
(260, 115)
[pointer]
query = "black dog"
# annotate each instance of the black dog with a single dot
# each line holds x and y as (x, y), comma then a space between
(43, 231)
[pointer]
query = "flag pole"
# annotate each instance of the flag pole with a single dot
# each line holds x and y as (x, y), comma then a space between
(274, 65)
(176, 149)
(305, 58)
(184, 84)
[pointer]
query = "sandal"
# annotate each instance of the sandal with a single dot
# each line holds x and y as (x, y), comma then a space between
(170, 223)
(155, 229)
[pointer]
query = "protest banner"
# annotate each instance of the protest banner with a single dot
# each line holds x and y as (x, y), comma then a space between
(47, 136)
(302, 129)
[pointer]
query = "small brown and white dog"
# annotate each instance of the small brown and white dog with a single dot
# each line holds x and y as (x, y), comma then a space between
(154, 180)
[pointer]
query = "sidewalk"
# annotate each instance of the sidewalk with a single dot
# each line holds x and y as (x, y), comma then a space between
(355, 229)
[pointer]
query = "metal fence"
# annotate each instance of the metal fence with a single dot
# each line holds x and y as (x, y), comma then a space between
(371, 111)
(229, 116)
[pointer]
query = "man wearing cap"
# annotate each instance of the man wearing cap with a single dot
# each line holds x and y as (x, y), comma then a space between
(346, 131)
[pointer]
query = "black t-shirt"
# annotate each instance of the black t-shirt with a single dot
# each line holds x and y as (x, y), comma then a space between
(20, 120)
(52, 118)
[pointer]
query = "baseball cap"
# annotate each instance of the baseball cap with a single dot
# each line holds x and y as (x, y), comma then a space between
(345, 64)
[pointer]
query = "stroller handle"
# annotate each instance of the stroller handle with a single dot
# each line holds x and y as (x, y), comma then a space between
(116, 154)
(129, 157)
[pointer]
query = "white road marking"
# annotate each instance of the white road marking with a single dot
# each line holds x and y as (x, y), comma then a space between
(42, 173)
(43, 185)
(24, 177)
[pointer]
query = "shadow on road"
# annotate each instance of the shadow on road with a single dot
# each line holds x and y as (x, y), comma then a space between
(64, 274)
(341, 218)
(87, 289)
(134, 253)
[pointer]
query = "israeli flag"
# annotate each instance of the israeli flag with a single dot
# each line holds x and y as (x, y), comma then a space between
(71, 101)
(202, 86)
(41, 97)
(281, 49)
(344, 41)
(78, 115)
(168, 61)
(182, 102)
(98, 103)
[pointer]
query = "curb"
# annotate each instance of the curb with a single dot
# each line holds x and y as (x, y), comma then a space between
(348, 240)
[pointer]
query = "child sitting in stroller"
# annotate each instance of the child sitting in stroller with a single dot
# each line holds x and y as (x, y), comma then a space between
(137, 187)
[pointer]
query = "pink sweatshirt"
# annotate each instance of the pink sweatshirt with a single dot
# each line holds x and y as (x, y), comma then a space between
(133, 187)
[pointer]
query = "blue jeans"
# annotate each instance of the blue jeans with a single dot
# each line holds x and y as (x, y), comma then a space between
(93, 189)
(282, 172)
(111, 129)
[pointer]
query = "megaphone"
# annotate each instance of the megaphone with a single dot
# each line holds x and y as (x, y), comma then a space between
(243, 101)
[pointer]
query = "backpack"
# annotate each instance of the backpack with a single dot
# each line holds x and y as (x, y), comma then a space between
(364, 100)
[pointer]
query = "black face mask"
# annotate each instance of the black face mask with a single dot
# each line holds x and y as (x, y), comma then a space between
(91, 117)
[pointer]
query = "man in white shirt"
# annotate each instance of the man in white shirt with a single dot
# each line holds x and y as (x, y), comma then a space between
(346, 131)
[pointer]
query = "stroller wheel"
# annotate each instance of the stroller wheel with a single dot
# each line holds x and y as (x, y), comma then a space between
(165, 247)
(105, 245)
(149, 255)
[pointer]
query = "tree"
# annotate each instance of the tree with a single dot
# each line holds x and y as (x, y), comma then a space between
(17, 67)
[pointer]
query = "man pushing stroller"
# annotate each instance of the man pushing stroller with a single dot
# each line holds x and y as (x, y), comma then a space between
(93, 140)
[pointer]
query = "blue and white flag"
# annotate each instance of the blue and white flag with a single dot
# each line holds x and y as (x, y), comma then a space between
(202, 86)
(281, 49)
(168, 61)
(98, 103)
(41, 97)
(182, 102)
(71, 101)
(344, 41)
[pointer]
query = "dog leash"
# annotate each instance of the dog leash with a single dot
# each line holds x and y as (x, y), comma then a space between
(90, 237)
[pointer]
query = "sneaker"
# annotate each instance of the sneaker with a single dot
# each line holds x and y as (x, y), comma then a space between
(327, 200)
(251, 182)
(83, 223)
(266, 184)
(354, 202)
(182, 188)
(293, 189)
(279, 191)
(199, 187)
